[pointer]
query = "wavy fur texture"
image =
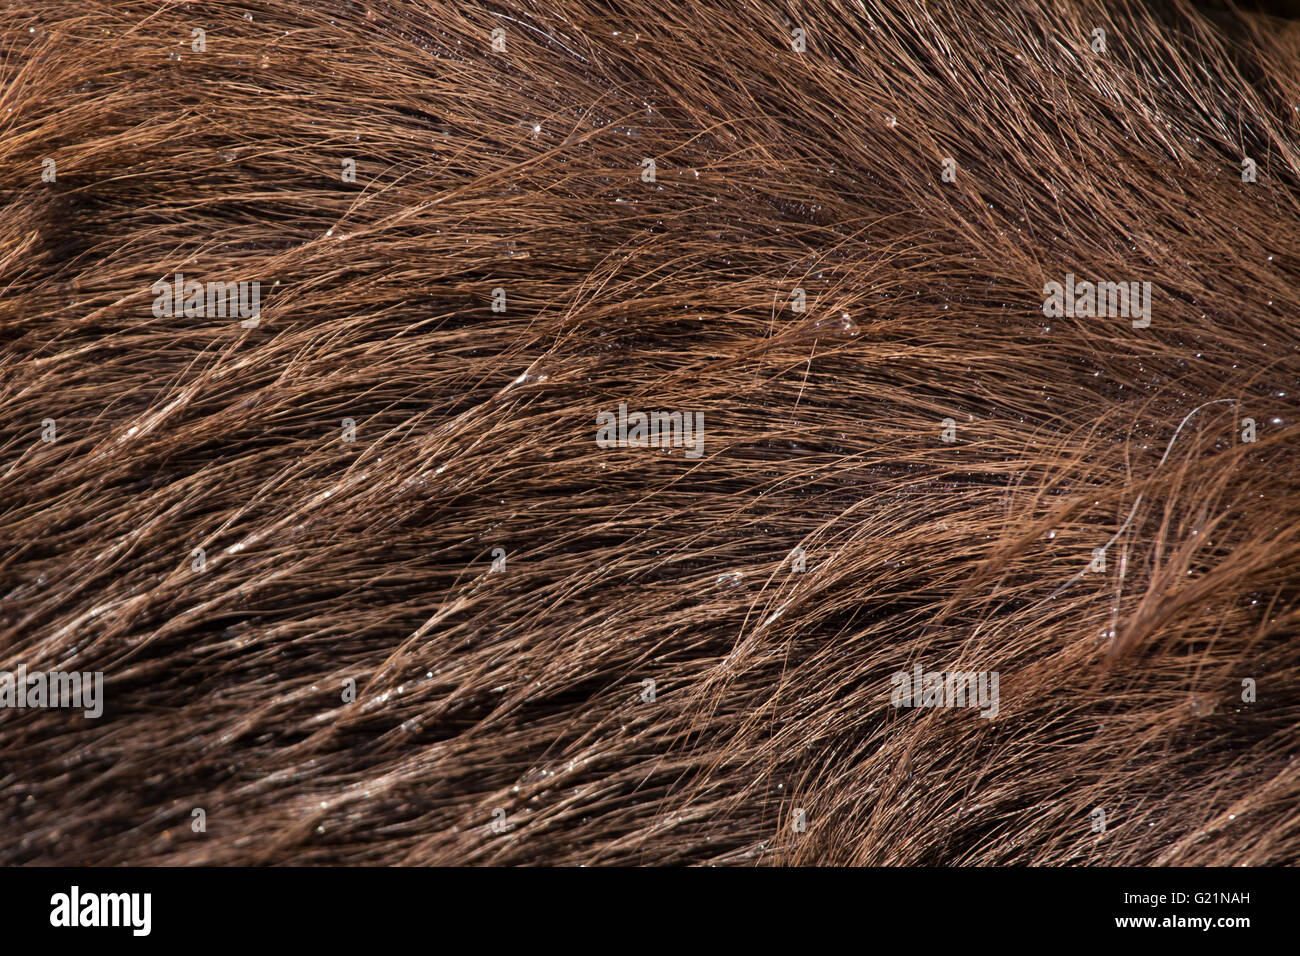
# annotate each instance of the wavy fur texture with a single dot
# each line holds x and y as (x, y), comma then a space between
(502, 716)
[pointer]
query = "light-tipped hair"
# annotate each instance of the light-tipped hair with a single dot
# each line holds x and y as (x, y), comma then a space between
(364, 587)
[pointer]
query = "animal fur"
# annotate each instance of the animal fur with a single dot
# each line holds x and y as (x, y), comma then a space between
(501, 716)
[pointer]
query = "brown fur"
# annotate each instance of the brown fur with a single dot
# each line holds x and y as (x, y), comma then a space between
(521, 691)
